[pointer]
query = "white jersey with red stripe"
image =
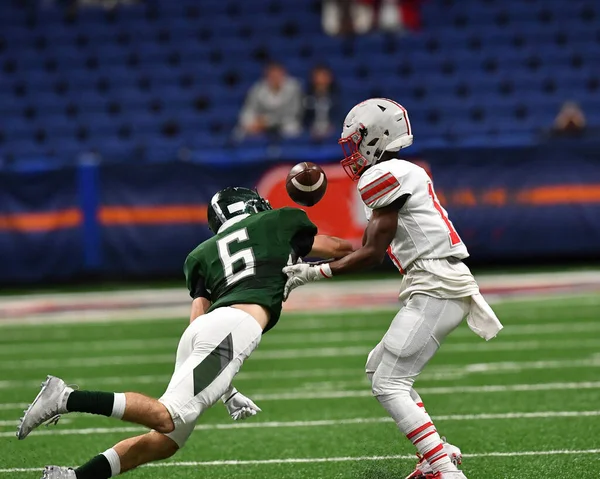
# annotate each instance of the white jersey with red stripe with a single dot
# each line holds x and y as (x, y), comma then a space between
(424, 230)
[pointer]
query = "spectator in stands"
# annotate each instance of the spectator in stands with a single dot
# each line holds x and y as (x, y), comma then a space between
(338, 17)
(322, 115)
(362, 16)
(273, 105)
(570, 120)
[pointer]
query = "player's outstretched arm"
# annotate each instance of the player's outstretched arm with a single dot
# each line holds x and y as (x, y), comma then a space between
(379, 234)
(330, 247)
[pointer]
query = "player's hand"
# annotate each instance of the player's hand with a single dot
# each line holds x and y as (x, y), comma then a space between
(240, 407)
(303, 273)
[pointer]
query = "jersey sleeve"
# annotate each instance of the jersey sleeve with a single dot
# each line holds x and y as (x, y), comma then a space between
(298, 228)
(194, 278)
(379, 187)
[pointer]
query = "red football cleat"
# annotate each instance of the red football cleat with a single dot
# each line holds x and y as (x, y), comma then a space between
(424, 470)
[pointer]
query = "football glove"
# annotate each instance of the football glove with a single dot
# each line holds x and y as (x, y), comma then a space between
(303, 273)
(240, 407)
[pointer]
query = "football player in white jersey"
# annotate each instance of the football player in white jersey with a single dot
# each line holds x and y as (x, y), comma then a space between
(438, 291)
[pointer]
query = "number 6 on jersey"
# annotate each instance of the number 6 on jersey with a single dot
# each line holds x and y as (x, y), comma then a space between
(228, 260)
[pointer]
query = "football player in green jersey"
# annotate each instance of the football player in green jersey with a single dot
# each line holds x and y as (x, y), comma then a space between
(236, 283)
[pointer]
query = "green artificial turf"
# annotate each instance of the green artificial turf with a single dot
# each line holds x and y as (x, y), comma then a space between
(545, 362)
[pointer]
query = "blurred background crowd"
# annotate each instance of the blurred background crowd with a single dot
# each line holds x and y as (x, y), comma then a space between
(119, 118)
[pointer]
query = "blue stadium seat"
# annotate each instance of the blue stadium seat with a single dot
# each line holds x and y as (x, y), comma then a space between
(478, 72)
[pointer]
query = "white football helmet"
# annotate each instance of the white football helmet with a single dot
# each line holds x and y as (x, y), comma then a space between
(371, 128)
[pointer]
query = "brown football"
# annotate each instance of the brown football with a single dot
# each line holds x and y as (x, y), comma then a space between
(306, 183)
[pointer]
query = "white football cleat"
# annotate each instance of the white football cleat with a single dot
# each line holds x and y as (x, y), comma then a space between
(446, 475)
(48, 405)
(57, 472)
(424, 468)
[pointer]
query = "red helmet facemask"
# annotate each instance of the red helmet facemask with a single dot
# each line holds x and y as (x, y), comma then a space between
(354, 163)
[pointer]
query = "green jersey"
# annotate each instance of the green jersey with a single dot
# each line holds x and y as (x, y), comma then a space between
(242, 264)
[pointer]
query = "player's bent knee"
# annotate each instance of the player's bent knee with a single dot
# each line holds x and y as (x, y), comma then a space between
(165, 423)
(180, 434)
(383, 385)
(180, 422)
(166, 427)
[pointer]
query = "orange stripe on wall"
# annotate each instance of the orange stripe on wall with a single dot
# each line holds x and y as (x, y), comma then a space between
(556, 195)
(152, 215)
(108, 215)
(181, 214)
(35, 222)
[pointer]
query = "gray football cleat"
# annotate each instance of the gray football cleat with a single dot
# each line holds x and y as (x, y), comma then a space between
(57, 472)
(47, 407)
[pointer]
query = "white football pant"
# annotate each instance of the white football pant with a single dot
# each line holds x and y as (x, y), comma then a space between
(210, 353)
(410, 342)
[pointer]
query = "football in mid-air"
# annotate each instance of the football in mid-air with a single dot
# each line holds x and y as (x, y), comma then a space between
(306, 183)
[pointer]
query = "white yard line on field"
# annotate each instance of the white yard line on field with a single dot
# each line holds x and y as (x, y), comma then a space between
(282, 336)
(536, 329)
(446, 372)
(12, 422)
(164, 378)
(102, 361)
(452, 372)
(87, 346)
(315, 460)
(501, 388)
(15, 422)
(501, 345)
(7, 406)
(170, 344)
(317, 423)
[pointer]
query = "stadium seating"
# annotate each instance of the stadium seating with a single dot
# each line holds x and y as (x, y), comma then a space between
(145, 81)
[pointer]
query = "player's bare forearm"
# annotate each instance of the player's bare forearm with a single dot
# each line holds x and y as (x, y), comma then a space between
(199, 307)
(379, 234)
(330, 247)
(362, 259)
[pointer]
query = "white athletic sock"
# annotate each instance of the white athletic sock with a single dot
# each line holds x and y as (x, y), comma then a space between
(114, 461)
(419, 429)
(118, 409)
(428, 442)
(442, 466)
(419, 402)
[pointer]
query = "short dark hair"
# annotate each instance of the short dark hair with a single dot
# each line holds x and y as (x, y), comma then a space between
(321, 66)
(274, 64)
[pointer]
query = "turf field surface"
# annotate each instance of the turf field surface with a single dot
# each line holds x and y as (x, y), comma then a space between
(525, 405)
